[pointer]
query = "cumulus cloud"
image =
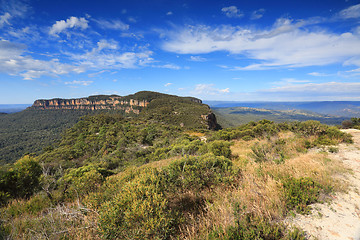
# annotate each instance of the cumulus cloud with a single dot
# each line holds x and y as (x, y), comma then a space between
(112, 24)
(287, 44)
(257, 14)
(350, 12)
(72, 22)
(232, 12)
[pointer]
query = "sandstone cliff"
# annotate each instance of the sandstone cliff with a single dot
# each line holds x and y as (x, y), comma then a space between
(100, 102)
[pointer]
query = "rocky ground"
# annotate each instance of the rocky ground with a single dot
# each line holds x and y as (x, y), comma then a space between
(339, 219)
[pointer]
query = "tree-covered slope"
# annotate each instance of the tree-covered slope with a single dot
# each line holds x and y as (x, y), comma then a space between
(33, 129)
(112, 177)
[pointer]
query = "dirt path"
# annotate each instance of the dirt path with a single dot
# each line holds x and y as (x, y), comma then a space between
(339, 220)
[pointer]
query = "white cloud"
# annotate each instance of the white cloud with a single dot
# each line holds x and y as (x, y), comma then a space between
(72, 22)
(4, 19)
(112, 24)
(208, 89)
(257, 14)
(168, 66)
(169, 13)
(287, 44)
(350, 12)
(318, 74)
(289, 81)
(105, 44)
(316, 91)
(76, 82)
(13, 61)
(197, 59)
(12, 9)
(132, 19)
(232, 12)
(107, 56)
(168, 84)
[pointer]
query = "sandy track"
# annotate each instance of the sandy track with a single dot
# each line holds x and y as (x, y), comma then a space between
(339, 220)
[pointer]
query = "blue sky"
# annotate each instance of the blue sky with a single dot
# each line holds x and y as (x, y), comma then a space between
(215, 50)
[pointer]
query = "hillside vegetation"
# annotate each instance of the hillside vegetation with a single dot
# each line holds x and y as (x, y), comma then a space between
(33, 129)
(112, 177)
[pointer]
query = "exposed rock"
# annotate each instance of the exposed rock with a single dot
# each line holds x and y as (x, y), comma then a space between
(93, 103)
(211, 121)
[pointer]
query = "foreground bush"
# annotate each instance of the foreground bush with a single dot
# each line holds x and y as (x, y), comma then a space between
(148, 205)
(300, 193)
(139, 211)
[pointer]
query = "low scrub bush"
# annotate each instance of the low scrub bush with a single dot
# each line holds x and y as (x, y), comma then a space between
(139, 211)
(197, 173)
(299, 193)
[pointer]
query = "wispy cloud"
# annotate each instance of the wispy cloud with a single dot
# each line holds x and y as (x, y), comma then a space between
(197, 59)
(12, 9)
(257, 14)
(350, 12)
(319, 74)
(169, 13)
(290, 81)
(72, 22)
(208, 89)
(232, 12)
(107, 56)
(168, 66)
(334, 91)
(14, 61)
(168, 84)
(287, 44)
(77, 82)
(112, 24)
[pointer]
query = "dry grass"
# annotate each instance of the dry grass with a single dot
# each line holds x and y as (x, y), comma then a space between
(259, 190)
(71, 221)
(196, 134)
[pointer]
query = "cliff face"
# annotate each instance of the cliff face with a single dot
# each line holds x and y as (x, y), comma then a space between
(93, 103)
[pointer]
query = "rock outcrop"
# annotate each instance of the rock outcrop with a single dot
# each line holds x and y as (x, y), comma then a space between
(101, 102)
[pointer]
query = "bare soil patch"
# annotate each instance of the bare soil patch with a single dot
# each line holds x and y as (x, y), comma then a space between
(338, 219)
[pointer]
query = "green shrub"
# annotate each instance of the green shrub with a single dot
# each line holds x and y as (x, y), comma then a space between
(299, 193)
(22, 179)
(250, 227)
(220, 148)
(83, 180)
(197, 173)
(333, 149)
(139, 211)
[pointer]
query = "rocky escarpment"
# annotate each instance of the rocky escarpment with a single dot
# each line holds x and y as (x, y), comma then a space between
(101, 102)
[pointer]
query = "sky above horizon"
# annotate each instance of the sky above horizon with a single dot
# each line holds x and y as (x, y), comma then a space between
(250, 50)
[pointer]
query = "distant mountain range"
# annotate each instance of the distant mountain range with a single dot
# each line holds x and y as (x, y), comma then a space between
(12, 108)
(334, 108)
